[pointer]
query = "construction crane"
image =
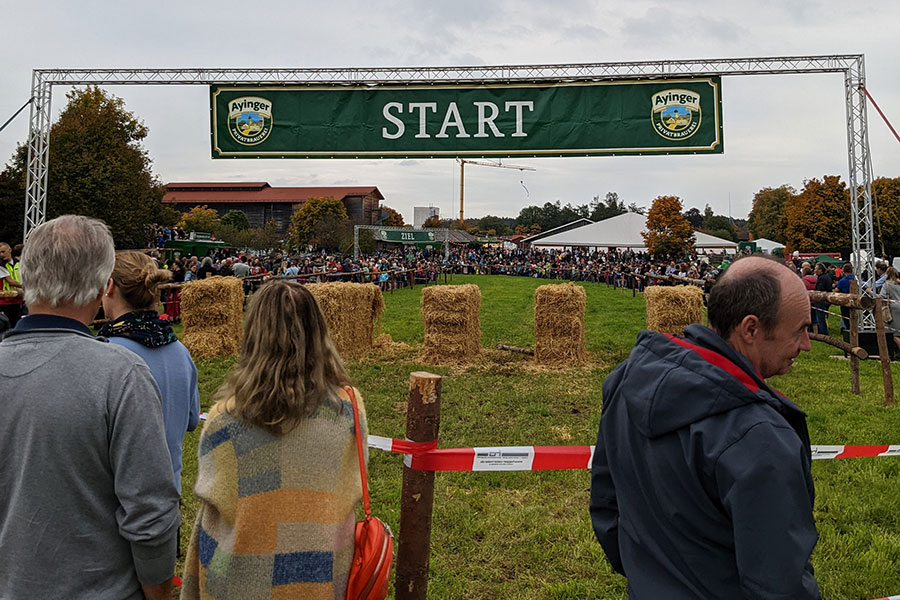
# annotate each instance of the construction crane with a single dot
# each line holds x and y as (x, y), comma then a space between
(485, 163)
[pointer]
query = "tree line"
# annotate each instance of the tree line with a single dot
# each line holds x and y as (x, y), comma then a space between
(817, 218)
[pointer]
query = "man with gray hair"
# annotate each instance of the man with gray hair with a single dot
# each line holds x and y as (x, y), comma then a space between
(88, 506)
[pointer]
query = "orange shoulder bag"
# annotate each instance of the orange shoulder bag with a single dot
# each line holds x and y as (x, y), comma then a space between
(373, 554)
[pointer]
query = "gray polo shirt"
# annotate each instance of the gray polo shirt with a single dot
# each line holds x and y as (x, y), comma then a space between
(88, 507)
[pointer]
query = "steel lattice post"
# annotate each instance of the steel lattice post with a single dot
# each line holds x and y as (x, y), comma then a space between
(860, 167)
(38, 154)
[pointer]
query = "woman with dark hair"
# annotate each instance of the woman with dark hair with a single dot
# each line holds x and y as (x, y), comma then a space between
(130, 302)
(278, 472)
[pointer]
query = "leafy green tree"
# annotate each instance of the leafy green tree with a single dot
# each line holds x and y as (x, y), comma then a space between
(497, 224)
(640, 210)
(236, 219)
(394, 218)
(98, 168)
(12, 197)
(694, 217)
(529, 216)
(818, 219)
(366, 241)
(200, 218)
(668, 233)
(433, 221)
(886, 203)
(265, 238)
(611, 206)
(719, 226)
(768, 217)
(167, 216)
(304, 227)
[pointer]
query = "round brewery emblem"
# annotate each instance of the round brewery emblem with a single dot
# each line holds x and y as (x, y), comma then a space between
(430, 236)
(384, 235)
(676, 113)
(249, 119)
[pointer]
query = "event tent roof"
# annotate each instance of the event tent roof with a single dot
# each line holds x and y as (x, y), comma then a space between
(766, 245)
(623, 231)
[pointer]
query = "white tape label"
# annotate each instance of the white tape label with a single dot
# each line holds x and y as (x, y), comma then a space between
(507, 458)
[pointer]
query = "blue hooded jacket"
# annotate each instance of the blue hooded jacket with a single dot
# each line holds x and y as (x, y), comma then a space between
(700, 482)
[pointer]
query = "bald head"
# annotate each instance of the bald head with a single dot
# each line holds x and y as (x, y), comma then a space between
(751, 286)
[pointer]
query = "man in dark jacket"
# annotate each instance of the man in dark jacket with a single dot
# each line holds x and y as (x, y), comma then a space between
(701, 483)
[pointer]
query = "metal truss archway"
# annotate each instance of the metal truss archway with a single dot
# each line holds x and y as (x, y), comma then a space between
(851, 65)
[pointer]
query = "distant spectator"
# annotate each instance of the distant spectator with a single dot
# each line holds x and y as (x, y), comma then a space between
(10, 284)
(891, 292)
(880, 275)
(206, 269)
(843, 286)
(820, 309)
(240, 269)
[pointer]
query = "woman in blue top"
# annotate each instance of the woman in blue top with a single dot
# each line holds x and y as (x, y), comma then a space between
(130, 301)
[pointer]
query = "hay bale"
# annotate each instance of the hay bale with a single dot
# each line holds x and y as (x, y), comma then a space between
(212, 311)
(671, 309)
(559, 325)
(452, 324)
(351, 311)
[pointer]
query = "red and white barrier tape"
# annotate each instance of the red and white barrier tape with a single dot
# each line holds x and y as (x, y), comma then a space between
(426, 456)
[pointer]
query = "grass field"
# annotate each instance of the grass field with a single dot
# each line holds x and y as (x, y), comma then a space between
(527, 535)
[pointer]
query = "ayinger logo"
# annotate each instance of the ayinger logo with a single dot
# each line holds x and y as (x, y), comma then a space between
(249, 119)
(676, 113)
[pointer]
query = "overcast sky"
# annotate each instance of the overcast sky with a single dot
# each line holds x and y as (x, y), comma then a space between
(777, 129)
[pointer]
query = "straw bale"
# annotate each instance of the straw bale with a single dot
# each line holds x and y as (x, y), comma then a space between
(212, 311)
(671, 309)
(212, 341)
(559, 325)
(452, 324)
(351, 311)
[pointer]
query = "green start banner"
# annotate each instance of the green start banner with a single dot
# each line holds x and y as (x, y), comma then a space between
(660, 116)
(406, 237)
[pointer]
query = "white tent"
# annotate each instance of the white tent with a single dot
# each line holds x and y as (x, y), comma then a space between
(764, 245)
(623, 231)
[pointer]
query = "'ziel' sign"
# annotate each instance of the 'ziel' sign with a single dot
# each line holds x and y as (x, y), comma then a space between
(386, 235)
(670, 116)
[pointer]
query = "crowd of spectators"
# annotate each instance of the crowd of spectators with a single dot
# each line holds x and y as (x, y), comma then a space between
(158, 235)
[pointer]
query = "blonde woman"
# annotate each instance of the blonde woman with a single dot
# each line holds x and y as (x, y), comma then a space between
(130, 301)
(278, 474)
(891, 291)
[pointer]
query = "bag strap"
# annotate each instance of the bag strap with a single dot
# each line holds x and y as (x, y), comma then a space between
(357, 427)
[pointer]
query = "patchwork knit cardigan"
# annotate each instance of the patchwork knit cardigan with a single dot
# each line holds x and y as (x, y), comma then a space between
(276, 517)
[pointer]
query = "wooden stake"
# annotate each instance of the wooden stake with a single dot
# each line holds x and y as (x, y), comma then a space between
(884, 354)
(423, 416)
(854, 341)
(855, 352)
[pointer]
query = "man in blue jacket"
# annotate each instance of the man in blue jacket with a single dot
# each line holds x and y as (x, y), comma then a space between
(701, 485)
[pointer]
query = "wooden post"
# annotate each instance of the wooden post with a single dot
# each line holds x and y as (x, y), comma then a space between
(884, 354)
(855, 351)
(854, 341)
(423, 415)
